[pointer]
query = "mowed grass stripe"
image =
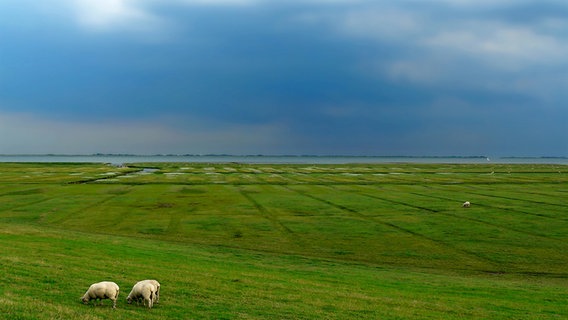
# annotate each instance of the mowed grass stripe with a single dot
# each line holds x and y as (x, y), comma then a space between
(20, 190)
(553, 195)
(265, 212)
(530, 238)
(462, 193)
(68, 206)
(535, 228)
(527, 193)
(518, 205)
(182, 213)
(444, 251)
(297, 218)
(518, 198)
(18, 205)
(324, 231)
(489, 244)
(521, 222)
(515, 250)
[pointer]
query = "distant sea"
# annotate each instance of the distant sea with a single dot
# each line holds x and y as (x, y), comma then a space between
(118, 159)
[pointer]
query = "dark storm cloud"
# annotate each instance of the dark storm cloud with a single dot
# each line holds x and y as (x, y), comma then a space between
(327, 77)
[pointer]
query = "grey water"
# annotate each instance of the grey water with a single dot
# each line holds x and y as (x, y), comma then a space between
(267, 159)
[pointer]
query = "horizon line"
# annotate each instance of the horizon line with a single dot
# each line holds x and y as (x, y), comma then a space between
(269, 155)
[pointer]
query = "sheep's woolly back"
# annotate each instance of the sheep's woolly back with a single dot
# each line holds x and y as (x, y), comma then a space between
(144, 290)
(157, 285)
(102, 290)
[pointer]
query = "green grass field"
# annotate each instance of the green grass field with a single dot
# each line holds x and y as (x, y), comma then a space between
(244, 241)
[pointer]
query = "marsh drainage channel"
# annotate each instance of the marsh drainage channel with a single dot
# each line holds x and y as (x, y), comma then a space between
(114, 175)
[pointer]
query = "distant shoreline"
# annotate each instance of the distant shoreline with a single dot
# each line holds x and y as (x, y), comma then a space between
(276, 159)
(271, 155)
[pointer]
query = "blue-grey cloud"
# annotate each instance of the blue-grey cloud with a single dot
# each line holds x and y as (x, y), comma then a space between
(342, 77)
(22, 133)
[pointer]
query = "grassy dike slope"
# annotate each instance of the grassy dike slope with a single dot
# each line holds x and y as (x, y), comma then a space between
(233, 241)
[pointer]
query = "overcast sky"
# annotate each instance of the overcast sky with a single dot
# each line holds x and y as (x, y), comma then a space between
(367, 77)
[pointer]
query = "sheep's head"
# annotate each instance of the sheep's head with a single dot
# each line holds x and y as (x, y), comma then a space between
(129, 299)
(85, 300)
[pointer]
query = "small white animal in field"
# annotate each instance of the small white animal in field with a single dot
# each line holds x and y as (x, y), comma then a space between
(157, 285)
(143, 290)
(100, 291)
(466, 204)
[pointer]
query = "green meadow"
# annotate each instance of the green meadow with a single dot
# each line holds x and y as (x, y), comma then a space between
(260, 241)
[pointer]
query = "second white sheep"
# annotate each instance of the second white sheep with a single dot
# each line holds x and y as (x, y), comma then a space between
(144, 290)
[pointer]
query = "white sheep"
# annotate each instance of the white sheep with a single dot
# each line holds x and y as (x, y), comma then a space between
(143, 290)
(466, 204)
(157, 285)
(100, 291)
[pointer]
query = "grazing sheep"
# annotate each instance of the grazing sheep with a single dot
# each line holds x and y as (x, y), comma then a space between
(466, 204)
(100, 291)
(157, 285)
(143, 290)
